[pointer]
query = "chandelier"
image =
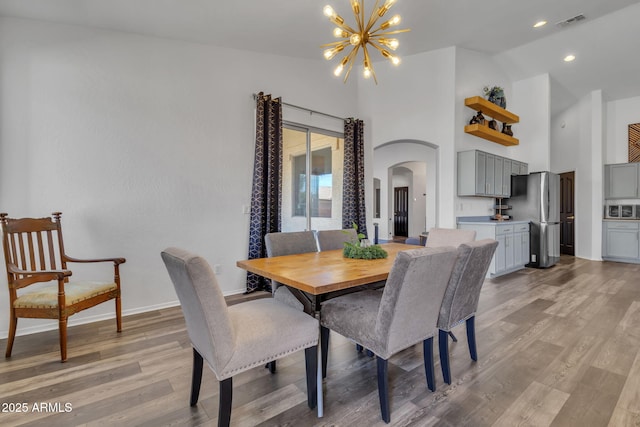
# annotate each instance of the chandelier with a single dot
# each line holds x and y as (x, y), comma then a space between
(362, 37)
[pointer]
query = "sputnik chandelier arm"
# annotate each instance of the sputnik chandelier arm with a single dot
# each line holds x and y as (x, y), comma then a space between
(377, 38)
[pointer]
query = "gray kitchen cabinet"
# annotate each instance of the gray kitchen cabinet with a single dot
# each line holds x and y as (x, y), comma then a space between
(521, 244)
(524, 169)
(485, 174)
(498, 186)
(621, 241)
(512, 252)
(490, 175)
(621, 181)
(480, 172)
(506, 177)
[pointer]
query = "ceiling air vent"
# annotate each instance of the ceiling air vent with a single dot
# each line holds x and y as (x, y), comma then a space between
(570, 21)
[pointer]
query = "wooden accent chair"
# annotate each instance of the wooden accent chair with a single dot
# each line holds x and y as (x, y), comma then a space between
(402, 315)
(235, 339)
(461, 298)
(34, 253)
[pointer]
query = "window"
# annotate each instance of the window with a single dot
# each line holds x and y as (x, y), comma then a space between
(312, 179)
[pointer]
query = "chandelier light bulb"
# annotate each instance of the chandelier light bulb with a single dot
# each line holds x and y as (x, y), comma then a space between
(395, 60)
(330, 53)
(329, 12)
(355, 39)
(338, 71)
(384, 8)
(355, 5)
(332, 15)
(393, 21)
(390, 43)
(340, 33)
(367, 72)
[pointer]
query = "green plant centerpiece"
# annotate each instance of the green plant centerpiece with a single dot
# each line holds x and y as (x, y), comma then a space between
(495, 95)
(361, 249)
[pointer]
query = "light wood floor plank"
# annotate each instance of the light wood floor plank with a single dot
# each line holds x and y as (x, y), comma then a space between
(537, 406)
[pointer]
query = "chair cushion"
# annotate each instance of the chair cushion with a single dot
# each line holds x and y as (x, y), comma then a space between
(354, 316)
(283, 294)
(263, 334)
(75, 292)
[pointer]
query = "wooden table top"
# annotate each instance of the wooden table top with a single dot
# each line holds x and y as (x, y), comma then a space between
(318, 273)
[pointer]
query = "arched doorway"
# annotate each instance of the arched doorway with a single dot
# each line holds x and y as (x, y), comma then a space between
(410, 162)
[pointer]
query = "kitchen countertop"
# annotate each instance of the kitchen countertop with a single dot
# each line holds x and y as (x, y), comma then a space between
(622, 219)
(486, 220)
(493, 222)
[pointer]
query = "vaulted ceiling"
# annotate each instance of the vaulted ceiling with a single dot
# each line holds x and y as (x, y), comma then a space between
(605, 42)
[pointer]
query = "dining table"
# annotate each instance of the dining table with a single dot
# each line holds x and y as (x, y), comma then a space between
(316, 276)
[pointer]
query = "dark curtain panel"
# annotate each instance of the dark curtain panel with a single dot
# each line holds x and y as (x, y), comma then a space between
(267, 182)
(353, 209)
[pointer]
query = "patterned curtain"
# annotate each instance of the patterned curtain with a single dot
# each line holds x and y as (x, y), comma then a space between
(353, 209)
(267, 181)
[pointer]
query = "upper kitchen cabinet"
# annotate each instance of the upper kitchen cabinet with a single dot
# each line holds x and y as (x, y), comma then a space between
(495, 112)
(621, 181)
(485, 174)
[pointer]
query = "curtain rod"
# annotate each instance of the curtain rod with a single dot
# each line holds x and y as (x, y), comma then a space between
(255, 96)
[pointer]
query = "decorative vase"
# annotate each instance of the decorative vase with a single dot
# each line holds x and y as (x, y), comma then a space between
(506, 129)
(497, 97)
(493, 125)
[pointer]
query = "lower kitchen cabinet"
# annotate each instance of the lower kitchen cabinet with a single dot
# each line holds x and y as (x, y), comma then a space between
(621, 241)
(512, 253)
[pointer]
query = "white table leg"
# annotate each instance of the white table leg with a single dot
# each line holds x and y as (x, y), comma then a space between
(320, 399)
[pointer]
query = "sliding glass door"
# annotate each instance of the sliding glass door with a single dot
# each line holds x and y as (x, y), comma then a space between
(312, 164)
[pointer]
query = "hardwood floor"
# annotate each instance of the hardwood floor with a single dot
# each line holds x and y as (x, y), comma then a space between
(556, 347)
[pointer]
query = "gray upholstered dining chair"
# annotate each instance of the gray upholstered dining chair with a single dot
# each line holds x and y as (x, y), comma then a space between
(461, 298)
(449, 237)
(403, 314)
(329, 240)
(288, 243)
(226, 338)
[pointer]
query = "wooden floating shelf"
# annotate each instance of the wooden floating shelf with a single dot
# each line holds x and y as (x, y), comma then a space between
(492, 110)
(486, 132)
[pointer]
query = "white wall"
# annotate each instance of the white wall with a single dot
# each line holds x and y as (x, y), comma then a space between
(565, 140)
(142, 143)
(415, 101)
(620, 114)
(532, 103)
(578, 145)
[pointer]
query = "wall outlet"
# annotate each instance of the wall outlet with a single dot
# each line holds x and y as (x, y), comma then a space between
(216, 268)
(246, 209)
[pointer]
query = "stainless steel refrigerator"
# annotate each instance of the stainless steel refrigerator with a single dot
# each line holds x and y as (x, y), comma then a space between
(536, 198)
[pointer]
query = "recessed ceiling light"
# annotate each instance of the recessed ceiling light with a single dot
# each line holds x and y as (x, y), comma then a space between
(569, 58)
(539, 24)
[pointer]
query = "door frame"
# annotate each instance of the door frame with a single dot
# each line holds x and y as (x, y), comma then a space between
(396, 191)
(564, 216)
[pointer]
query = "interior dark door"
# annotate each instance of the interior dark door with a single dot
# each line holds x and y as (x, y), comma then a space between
(567, 214)
(401, 211)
